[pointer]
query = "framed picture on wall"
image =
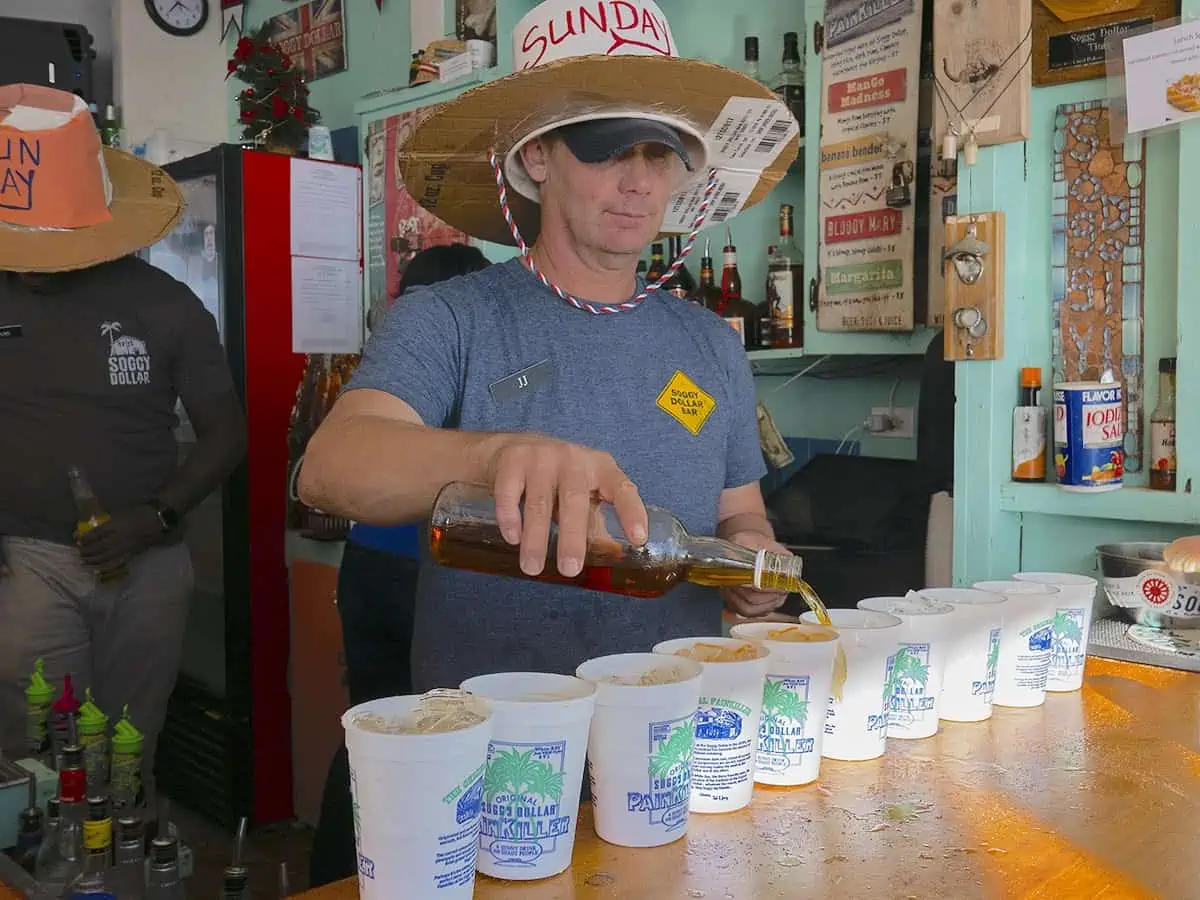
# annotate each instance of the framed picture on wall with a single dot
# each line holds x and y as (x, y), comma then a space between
(476, 20)
(314, 35)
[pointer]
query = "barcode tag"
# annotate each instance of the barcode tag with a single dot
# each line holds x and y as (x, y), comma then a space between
(732, 191)
(750, 134)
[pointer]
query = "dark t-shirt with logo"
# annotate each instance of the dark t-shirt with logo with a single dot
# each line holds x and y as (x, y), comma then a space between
(91, 366)
(665, 388)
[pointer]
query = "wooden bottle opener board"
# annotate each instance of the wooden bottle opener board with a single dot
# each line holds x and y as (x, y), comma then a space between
(987, 293)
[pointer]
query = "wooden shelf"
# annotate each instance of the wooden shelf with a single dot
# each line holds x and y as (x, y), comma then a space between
(1130, 504)
(422, 94)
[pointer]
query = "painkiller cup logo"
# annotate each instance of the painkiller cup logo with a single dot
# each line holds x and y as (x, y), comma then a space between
(1041, 637)
(669, 767)
(987, 687)
(128, 358)
(904, 690)
(684, 401)
(458, 850)
(782, 736)
(878, 721)
(1067, 649)
(522, 816)
(366, 865)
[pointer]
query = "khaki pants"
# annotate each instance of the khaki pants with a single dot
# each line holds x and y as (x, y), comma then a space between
(123, 640)
(939, 542)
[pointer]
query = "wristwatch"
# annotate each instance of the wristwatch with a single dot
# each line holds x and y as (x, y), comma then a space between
(167, 517)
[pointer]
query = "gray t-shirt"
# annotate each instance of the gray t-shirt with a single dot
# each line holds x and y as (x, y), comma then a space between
(665, 388)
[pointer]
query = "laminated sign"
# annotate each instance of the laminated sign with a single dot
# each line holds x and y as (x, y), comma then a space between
(868, 164)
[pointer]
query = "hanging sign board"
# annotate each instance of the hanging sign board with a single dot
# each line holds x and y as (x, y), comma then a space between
(1069, 36)
(869, 105)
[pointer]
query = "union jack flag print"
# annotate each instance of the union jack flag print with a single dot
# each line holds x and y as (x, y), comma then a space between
(314, 36)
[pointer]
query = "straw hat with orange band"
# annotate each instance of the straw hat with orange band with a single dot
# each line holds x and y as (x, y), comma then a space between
(66, 201)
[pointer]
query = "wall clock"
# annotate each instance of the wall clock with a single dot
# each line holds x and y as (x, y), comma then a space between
(181, 18)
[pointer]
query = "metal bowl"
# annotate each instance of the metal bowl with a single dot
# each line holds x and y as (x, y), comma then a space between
(1129, 560)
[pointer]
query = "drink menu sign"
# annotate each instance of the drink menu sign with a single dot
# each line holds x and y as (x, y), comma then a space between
(868, 162)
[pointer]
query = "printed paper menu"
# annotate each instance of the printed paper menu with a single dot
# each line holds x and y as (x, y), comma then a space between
(1162, 77)
(868, 164)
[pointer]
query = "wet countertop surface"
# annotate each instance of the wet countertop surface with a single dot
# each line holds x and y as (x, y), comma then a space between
(1095, 794)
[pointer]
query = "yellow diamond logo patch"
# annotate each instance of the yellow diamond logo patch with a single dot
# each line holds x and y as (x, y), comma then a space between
(684, 401)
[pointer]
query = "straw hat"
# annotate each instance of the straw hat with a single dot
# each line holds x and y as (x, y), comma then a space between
(66, 202)
(575, 61)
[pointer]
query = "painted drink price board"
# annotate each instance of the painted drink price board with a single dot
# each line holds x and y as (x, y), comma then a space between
(868, 157)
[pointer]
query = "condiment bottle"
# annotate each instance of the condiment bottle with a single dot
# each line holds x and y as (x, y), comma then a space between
(126, 769)
(38, 697)
(93, 736)
(1029, 430)
(1162, 429)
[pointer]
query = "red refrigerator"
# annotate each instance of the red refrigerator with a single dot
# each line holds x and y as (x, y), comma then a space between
(226, 748)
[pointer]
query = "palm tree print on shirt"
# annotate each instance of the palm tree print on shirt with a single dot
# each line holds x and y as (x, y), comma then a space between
(110, 330)
(781, 705)
(673, 754)
(520, 775)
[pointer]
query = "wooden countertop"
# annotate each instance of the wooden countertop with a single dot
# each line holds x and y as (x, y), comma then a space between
(1095, 794)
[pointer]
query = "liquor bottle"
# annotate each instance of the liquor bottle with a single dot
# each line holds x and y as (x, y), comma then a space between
(163, 881)
(129, 858)
(641, 269)
(98, 832)
(285, 881)
(89, 514)
(785, 275)
(95, 882)
(750, 66)
(464, 535)
(110, 134)
(63, 860)
(681, 284)
(658, 265)
(236, 877)
(790, 83)
(740, 313)
(48, 853)
(1162, 429)
(30, 831)
(707, 293)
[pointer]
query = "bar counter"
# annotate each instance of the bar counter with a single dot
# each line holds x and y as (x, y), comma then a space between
(1094, 794)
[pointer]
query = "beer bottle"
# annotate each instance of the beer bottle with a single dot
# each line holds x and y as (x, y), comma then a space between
(89, 515)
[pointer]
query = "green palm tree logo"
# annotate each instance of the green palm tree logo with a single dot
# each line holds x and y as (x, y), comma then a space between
(781, 704)
(673, 754)
(907, 669)
(1067, 634)
(993, 657)
(519, 774)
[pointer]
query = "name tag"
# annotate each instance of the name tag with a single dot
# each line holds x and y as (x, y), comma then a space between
(528, 379)
(11, 331)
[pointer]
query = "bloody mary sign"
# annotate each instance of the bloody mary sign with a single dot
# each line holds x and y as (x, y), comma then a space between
(868, 155)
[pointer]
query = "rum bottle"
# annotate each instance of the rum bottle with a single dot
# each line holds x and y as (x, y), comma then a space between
(750, 66)
(739, 312)
(789, 86)
(90, 515)
(681, 284)
(464, 535)
(658, 265)
(1162, 429)
(785, 275)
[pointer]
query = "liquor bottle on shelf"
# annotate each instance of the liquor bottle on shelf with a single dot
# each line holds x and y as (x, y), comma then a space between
(641, 269)
(750, 66)
(681, 284)
(790, 83)
(785, 276)
(740, 313)
(1162, 429)
(707, 293)
(464, 535)
(657, 264)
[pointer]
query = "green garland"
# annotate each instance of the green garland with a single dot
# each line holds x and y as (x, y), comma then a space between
(274, 109)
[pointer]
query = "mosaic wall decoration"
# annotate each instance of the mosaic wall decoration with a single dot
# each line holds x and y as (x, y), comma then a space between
(1098, 259)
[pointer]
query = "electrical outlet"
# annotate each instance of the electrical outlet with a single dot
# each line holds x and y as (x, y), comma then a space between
(902, 421)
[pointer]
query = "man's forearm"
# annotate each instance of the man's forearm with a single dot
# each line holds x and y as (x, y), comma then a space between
(743, 522)
(209, 463)
(382, 472)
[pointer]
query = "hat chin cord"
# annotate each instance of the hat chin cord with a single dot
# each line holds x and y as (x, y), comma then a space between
(599, 309)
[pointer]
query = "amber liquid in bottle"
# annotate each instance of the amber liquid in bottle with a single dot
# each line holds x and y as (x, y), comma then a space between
(464, 535)
(90, 515)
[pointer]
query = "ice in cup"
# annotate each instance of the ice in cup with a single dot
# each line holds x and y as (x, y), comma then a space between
(795, 697)
(856, 725)
(640, 746)
(1072, 625)
(914, 682)
(416, 778)
(1025, 643)
(972, 653)
(726, 736)
(534, 771)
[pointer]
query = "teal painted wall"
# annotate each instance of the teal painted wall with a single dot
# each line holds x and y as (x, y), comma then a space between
(1002, 528)
(377, 50)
